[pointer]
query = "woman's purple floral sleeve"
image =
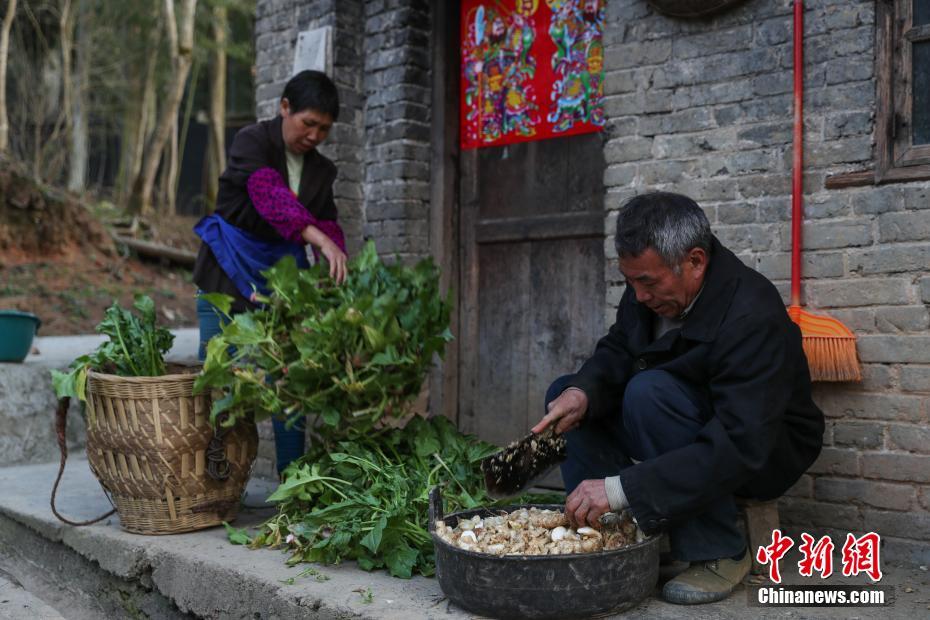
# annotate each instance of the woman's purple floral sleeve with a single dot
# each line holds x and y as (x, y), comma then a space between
(277, 205)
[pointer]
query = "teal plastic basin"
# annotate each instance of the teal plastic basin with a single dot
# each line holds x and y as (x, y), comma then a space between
(17, 330)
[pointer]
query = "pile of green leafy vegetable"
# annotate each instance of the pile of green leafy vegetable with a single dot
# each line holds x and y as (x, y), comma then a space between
(354, 356)
(348, 354)
(367, 499)
(136, 348)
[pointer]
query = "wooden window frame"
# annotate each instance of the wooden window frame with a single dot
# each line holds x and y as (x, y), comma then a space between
(896, 160)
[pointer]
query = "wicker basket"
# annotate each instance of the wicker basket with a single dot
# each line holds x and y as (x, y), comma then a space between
(147, 443)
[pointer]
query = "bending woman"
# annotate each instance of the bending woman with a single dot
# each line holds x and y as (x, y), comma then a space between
(275, 197)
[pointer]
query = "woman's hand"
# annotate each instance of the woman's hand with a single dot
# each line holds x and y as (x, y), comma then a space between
(337, 259)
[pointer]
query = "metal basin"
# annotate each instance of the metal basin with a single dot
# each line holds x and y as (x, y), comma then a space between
(542, 586)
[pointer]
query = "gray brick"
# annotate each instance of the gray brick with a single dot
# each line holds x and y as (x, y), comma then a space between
(925, 498)
(713, 42)
(796, 510)
(846, 151)
(708, 190)
(867, 435)
(847, 124)
(813, 265)
(911, 349)
(677, 146)
(857, 292)
(637, 54)
(877, 377)
(906, 552)
(915, 378)
(775, 209)
(623, 105)
(764, 185)
(624, 81)
(739, 163)
(773, 31)
(836, 461)
(870, 406)
(836, 234)
(619, 175)
(762, 109)
(916, 196)
(925, 289)
(900, 524)
(907, 319)
(740, 213)
(870, 493)
(892, 259)
(755, 237)
(904, 467)
(413, 210)
(662, 172)
(909, 437)
(876, 200)
(625, 150)
(907, 226)
(765, 135)
(826, 205)
(696, 119)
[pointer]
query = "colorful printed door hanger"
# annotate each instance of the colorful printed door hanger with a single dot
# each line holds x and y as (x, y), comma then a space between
(531, 70)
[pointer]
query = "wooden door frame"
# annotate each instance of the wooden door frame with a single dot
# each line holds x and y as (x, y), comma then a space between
(444, 193)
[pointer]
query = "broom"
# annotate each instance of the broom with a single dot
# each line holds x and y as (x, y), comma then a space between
(829, 345)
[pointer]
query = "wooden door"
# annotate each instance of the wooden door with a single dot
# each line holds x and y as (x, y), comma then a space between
(532, 269)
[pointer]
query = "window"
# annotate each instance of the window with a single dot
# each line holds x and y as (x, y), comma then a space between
(902, 115)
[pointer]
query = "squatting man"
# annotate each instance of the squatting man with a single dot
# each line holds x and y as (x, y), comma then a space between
(699, 392)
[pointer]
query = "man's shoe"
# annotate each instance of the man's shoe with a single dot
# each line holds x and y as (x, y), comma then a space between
(706, 582)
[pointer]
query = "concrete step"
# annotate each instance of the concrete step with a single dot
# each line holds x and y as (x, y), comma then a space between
(17, 603)
(100, 571)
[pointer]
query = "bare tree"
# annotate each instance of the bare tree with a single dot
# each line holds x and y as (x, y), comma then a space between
(181, 46)
(4, 55)
(216, 156)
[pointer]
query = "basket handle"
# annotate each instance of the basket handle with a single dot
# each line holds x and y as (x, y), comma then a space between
(217, 463)
(61, 423)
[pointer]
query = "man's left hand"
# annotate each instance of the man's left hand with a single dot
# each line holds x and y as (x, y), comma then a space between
(587, 503)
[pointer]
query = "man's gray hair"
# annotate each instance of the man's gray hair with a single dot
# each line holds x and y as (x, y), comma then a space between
(670, 224)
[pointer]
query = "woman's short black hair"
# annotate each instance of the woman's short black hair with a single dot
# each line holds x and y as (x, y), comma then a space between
(312, 90)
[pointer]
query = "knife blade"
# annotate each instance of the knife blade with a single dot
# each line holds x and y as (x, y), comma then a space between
(514, 468)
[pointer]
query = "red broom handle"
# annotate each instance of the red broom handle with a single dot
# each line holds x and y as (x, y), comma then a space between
(797, 169)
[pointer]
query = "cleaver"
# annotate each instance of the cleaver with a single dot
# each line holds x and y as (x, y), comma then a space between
(514, 468)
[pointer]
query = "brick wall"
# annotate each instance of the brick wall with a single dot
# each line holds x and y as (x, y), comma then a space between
(704, 107)
(397, 126)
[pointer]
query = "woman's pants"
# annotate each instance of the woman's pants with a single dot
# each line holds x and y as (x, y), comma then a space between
(289, 442)
(659, 413)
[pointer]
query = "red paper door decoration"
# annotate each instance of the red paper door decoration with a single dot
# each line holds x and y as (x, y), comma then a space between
(531, 69)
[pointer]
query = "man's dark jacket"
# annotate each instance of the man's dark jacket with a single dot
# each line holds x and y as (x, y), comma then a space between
(739, 345)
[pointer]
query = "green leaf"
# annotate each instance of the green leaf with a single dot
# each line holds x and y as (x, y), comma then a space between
(400, 560)
(372, 539)
(236, 537)
(221, 302)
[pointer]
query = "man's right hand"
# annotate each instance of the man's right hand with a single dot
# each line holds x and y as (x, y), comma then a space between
(566, 411)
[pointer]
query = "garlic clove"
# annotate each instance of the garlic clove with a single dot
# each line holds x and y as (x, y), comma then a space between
(557, 534)
(589, 532)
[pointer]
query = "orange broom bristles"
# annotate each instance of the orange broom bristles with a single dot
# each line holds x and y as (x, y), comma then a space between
(829, 345)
